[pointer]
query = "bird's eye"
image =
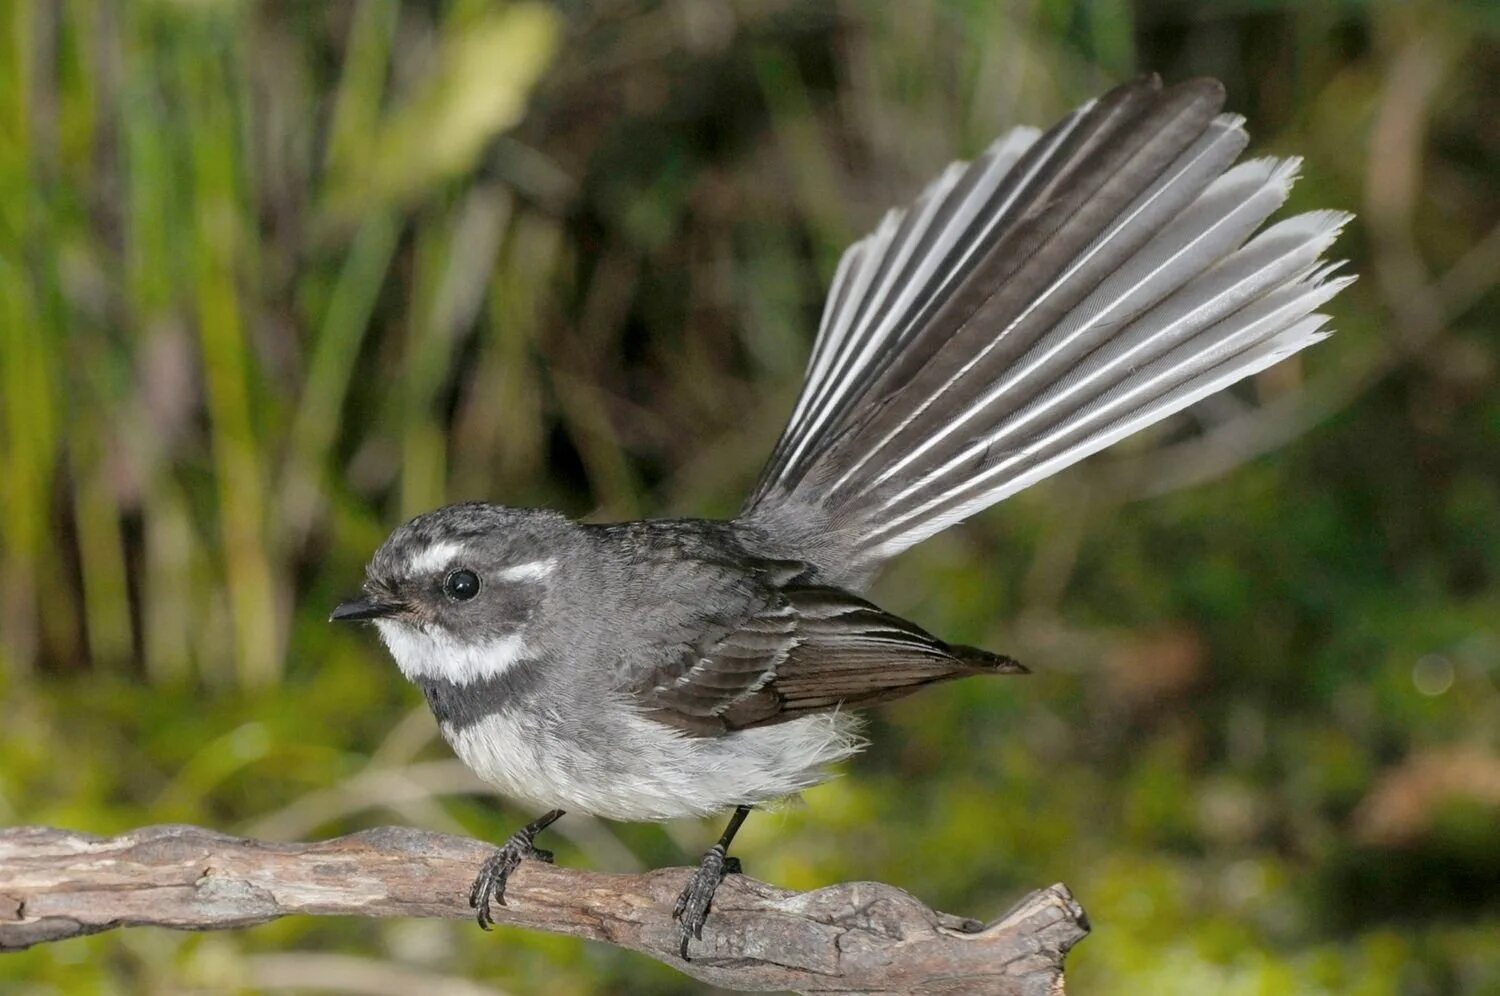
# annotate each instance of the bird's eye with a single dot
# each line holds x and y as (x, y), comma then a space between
(461, 585)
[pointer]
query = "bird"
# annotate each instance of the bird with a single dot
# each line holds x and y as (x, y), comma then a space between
(1063, 290)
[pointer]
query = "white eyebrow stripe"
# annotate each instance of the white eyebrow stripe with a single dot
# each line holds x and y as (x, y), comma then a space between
(533, 570)
(435, 558)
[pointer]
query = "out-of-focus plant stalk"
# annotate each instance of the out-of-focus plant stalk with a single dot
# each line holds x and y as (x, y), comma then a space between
(223, 244)
(331, 368)
(28, 429)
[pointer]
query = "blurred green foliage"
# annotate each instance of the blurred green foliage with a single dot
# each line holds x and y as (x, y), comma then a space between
(275, 276)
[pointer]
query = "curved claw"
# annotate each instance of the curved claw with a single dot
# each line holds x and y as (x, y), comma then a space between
(693, 903)
(489, 884)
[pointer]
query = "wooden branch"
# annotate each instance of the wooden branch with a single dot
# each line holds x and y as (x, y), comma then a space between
(857, 937)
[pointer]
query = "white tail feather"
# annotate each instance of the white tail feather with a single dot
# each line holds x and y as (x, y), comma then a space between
(1277, 255)
(874, 332)
(1209, 356)
(1194, 239)
(1253, 361)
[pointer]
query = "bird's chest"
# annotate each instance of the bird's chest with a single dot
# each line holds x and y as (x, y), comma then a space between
(520, 756)
(636, 770)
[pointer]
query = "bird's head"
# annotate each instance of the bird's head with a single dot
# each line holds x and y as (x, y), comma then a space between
(457, 593)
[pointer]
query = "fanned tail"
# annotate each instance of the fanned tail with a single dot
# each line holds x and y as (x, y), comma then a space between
(1061, 292)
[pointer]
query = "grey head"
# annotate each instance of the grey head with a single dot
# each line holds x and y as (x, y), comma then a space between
(459, 594)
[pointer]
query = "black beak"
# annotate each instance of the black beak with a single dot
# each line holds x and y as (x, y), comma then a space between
(362, 608)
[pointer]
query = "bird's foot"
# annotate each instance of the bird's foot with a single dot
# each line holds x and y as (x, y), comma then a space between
(693, 904)
(489, 884)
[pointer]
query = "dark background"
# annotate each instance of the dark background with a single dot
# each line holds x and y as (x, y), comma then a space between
(274, 277)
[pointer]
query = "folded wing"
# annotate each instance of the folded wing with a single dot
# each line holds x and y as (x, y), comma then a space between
(811, 649)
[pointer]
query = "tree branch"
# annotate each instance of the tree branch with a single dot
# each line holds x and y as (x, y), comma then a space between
(856, 937)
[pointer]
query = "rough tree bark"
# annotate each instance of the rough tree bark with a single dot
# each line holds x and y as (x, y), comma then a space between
(858, 937)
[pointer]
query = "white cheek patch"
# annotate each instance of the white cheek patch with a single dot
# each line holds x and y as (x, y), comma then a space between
(533, 570)
(434, 558)
(434, 654)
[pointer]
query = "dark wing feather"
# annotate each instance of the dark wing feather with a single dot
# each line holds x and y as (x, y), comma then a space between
(698, 683)
(809, 649)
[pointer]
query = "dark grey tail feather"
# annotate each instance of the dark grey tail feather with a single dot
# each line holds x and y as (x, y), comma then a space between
(995, 238)
(1058, 293)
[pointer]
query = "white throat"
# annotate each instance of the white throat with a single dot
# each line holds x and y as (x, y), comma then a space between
(435, 654)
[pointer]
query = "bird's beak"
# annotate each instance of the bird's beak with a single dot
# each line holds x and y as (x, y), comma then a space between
(362, 608)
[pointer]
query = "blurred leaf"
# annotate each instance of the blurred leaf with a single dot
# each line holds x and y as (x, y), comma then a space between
(482, 75)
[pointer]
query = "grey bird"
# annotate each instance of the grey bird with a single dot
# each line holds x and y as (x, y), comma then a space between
(1062, 291)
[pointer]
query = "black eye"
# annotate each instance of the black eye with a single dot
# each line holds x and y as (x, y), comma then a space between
(461, 585)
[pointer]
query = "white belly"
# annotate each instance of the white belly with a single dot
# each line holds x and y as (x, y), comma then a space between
(644, 771)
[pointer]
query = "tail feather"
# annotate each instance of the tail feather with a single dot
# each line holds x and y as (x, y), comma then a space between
(1157, 391)
(1187, 245)
(1041, 265)
(1061, 292)
(1001, 192)
(947, 224)
(1279, 254)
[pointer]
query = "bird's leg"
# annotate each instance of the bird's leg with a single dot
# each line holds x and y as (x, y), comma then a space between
(692, 906)
(489, 884)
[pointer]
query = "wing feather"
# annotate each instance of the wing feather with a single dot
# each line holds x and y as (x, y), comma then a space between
(809, 649)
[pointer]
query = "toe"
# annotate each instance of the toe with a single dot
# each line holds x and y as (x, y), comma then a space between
(691, 909)
(479, 893)
(482, 907)
(489, 887)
